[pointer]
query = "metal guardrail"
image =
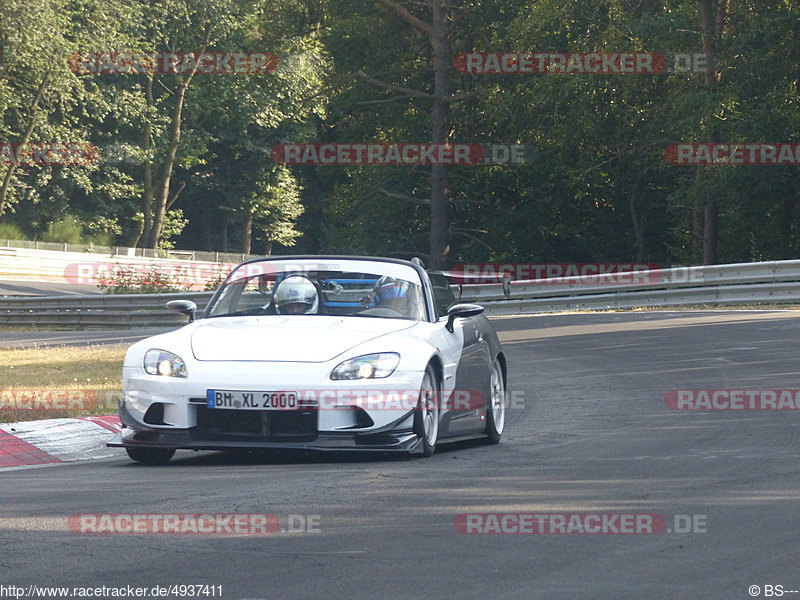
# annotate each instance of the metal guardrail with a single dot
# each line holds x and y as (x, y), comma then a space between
(125, 252)
(107, 311)
(739, 283)
(744, 283)
(643, 281)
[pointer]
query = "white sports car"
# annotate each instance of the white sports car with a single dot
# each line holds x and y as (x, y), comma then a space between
(317, 352)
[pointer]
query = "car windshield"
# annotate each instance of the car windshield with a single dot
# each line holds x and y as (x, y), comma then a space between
(357, 288)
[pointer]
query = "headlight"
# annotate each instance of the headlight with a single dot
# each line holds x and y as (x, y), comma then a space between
(370, 366)
(161, 362)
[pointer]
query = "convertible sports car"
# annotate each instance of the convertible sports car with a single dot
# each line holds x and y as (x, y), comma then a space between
(317, 352)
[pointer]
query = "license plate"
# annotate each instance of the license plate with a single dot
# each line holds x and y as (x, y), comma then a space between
(251, 400)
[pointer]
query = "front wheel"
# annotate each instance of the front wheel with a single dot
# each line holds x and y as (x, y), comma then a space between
(150, 456)
(426, 417)
(496, 409)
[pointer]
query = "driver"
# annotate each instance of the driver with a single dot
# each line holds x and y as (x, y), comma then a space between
(391, 293)
(296, 295)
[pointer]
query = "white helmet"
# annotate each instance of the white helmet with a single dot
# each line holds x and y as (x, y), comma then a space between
(296, 295)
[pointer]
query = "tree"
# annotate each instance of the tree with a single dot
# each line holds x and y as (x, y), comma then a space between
(274, 207)
(240, 119)
(437, 31)
(38, 93)
(188, 24)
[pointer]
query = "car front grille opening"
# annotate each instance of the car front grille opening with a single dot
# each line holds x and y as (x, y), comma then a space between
(266, 425)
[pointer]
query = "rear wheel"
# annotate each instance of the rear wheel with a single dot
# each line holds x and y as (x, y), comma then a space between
(496, 409)
(426, 417)
(150, 456)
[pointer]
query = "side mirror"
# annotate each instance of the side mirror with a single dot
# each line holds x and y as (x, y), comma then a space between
(461, 311)
(183, 307)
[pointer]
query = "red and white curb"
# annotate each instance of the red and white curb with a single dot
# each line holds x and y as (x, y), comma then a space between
(56, 440)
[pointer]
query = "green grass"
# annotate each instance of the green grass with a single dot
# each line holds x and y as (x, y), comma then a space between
(70, 381)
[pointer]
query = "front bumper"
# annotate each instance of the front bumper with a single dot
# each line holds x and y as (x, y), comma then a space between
(135, 435)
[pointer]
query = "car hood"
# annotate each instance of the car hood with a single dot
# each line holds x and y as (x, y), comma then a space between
(279, 338)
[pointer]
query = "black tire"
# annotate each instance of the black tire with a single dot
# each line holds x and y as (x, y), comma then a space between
(496, 407)
(426, 416)
(151, 456)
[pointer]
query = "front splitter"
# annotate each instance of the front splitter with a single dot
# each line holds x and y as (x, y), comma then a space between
(186, 439)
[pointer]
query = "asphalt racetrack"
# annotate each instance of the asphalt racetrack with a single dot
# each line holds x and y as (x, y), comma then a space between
(588, 432)
(44, 288)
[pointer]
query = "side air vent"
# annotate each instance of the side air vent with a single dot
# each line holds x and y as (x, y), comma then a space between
(155, 414)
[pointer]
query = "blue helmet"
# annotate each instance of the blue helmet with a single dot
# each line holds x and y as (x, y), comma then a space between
(389, 291)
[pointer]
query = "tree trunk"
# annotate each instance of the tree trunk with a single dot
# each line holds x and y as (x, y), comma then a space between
(223, 231)
(247, 232)
(440, 193)
(147, 175)
(713, 18)
(25, 137)
(785, 242)
(161, 196)
(638, 221)
(268, 248)
(698, 226)
(710, 233)
(208, 230)
(313, 216)
(134, 234)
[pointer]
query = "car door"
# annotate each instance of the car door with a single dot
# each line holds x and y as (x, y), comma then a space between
(464, 413)
(472, 380)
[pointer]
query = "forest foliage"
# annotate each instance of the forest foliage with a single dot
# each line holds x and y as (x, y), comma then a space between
(186, 160)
